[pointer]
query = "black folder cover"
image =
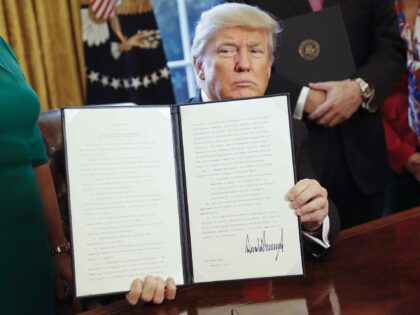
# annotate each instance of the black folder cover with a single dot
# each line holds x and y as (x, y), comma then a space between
(334, 59)
(183, 207)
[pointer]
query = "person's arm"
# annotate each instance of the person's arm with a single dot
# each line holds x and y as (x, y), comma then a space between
(383, 66)
(400, 139)
(399, 152)
(62, 261)
(342, 100)
(314, 225)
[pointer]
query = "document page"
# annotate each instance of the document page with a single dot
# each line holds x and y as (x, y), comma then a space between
(239, 168)
(123, 197)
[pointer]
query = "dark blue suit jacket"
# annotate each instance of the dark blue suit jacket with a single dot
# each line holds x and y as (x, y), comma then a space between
(379, 55)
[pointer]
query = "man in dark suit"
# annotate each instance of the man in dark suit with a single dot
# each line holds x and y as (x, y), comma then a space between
(233, 54)
(346, 138)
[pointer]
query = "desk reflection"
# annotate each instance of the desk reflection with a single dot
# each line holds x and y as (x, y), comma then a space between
(276, 307)
(373, 269)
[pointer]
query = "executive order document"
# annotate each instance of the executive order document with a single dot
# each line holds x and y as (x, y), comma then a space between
(196, 192)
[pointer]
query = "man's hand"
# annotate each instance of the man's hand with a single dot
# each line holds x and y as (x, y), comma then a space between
(151, 289)
(413, 165)
(309, 199)
(343, 99)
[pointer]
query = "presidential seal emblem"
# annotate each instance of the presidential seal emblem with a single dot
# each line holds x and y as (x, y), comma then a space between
(309, 49)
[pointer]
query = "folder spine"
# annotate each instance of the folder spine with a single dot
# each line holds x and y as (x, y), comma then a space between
(182, 196)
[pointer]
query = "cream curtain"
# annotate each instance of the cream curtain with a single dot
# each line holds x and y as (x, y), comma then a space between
(46, 37)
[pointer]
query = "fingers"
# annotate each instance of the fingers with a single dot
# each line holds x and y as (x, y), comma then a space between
(309, 199)
(304, 191)
(329, 117)
(315, 204)
(336, 115)
(133, 295)
(159, 293)
(314, 211)
(321, 110)
(151, 289)
(170, 291)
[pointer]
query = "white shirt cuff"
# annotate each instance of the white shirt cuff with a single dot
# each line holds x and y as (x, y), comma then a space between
(324, 242)
(300, 105)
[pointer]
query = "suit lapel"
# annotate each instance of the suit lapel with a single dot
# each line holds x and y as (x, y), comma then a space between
(329, 3)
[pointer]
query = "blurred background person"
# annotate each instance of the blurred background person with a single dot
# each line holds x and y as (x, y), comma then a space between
(401, 117)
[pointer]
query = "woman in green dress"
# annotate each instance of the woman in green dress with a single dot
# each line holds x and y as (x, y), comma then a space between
(30, 224)
(32, 241)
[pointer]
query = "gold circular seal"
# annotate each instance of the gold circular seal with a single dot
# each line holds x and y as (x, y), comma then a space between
(309, 49)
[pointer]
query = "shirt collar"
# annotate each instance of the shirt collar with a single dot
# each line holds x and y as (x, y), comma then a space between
(204, 96)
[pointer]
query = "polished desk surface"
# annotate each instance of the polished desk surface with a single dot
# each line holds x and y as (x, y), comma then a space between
(373, 268)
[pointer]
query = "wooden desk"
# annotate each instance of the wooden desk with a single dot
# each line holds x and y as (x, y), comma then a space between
(374, 268)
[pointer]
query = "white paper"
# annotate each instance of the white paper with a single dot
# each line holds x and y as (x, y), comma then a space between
(123, 197)
(239, 168)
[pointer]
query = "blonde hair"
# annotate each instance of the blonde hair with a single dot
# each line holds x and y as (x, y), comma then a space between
(228, 15)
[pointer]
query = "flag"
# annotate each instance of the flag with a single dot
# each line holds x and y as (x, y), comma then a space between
(102, 10)
(125, 61)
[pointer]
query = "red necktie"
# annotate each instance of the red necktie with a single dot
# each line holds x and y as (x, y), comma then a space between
(316, 5)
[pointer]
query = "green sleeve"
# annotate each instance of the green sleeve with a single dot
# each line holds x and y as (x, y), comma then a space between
(37, 147)
(7, 46)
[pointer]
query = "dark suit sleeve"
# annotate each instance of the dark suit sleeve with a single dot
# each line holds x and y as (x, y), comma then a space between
(385, 61)
(304, 170)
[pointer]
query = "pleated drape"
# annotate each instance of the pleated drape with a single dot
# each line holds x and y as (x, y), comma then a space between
(46, 37)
